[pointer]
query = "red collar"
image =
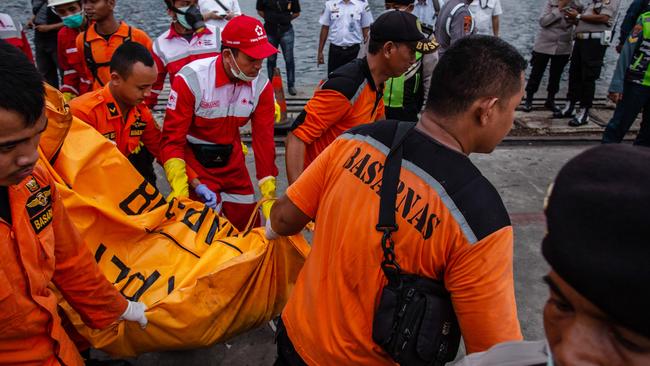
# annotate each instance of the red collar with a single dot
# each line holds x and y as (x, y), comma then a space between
(222, 78)
(173, 33)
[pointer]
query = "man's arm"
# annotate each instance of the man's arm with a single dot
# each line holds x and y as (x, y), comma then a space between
(71, 83)
(480, 279)
(366, 32)
(262, 124)
(624, 62)
(461, 26)
(324, 31)
(78, 276)
(259, 6)
(286, 218)
(294, 157)
(630, 20)
(495, 25)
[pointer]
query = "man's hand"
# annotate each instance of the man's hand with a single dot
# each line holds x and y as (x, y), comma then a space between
(321, 58)
(229, 15)
(570, 13)
(135, 313)
(30, 23)
(206, 195)
(619, 47)
(615, 97)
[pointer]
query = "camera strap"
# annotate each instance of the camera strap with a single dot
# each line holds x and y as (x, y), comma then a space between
(388, 195)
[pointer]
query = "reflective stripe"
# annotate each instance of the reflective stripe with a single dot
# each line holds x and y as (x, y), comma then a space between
(451, 15)
(196, 140)
(244, 199)
(74, 90)
(158, 51)
(7, 34)
(71, 50)
(432, 182)
(69, 72)
(85, 81)
(359, 90)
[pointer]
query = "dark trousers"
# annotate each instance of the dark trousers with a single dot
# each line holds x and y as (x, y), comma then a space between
(586, 64)
(46, 58)
(287, 355)
(635, 98)
(143, 163)
(339, 56)
(538, 62)
(285, 41)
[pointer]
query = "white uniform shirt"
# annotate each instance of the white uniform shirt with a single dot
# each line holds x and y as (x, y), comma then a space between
(483, 11)
(208, 6)
(346, 21)
(426, 13)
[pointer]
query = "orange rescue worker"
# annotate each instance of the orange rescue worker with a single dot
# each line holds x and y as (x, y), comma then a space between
(39, 243)
(210, 99)
(75, 82)
(448, 224)
(356, 89)
(12, 32)
(102, 38)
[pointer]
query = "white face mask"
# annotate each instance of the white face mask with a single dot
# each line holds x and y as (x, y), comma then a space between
(238, 73)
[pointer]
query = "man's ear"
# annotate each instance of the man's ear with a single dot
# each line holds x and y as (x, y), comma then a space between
(410, 8)
(388, 48)
(484, 109)
(116, 79)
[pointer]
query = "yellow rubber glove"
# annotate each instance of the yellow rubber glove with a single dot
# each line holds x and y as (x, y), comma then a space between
(177, 177)
(278, 113)
(244, 148)
(67, 96)
(267, 188)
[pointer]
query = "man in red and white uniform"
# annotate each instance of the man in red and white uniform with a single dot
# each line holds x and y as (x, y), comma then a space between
(180, 45)
(12, 33)
(210, 99)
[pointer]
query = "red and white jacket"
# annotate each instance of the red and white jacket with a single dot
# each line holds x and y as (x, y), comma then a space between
(172, 52)
(71, 63)
(12, 32)
(205, 106)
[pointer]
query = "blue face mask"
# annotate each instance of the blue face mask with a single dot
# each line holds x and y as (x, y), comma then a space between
(74, 20)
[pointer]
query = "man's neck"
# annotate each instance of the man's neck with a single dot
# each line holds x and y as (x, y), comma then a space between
(181, 30)
(107, 26)
(431, 125)
(378, 72)
(125, 108)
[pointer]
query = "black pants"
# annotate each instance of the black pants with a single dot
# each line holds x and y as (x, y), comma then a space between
(586, 64)
(287, 355)
(46, 58)
(538, 62)
(636, 98)
(339, 56)
(143, 163)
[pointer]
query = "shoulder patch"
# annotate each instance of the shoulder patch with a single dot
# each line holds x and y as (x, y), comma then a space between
(173, 99)
(39, 209)
(467, 24)
(32, 185)
(112, 109)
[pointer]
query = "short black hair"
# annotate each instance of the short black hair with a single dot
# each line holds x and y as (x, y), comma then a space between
(375, 46)
(129, 54)
(22, 88)
(474, 67)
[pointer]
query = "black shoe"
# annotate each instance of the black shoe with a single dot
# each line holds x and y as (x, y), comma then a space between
(528, 104)
(580, 119)
(567, 112)
(550, 105)
(292, 90)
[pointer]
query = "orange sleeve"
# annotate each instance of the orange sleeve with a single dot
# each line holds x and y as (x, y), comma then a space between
(78, 110)
(306, 192)
(480, 280)
(141, 37)
(78, 276)
(324, 109)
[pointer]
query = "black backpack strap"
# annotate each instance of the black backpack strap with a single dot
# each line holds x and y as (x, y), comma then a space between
(388, 193)
(90, 59)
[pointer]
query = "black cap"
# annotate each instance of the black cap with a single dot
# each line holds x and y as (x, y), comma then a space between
(400, 2)
(401, 26)
(598, 237)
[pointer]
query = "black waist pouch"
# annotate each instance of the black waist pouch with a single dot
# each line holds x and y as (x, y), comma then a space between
(212, 155)
(415, 322)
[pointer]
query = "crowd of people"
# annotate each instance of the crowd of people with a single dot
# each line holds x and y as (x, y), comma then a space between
(412, 245)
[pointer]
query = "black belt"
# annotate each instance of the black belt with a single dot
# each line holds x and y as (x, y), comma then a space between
(345, 47)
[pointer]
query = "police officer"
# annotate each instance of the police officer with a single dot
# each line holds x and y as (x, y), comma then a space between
(345, 23)
(592, 36)
(637, 7)
(454, 22)
(630, 87)
(427, 10)
(404, 95)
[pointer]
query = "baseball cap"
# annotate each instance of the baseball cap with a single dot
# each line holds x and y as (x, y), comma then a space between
(401, 26)
(599, 231)
(247, 34)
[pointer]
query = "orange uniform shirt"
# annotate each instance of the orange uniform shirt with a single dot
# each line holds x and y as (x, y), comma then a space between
(347, 99)
(40, 246)
(102, 50)
(452, 227)
(100, 110)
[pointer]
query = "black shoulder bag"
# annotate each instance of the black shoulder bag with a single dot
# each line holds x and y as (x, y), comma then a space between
(415, 321)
